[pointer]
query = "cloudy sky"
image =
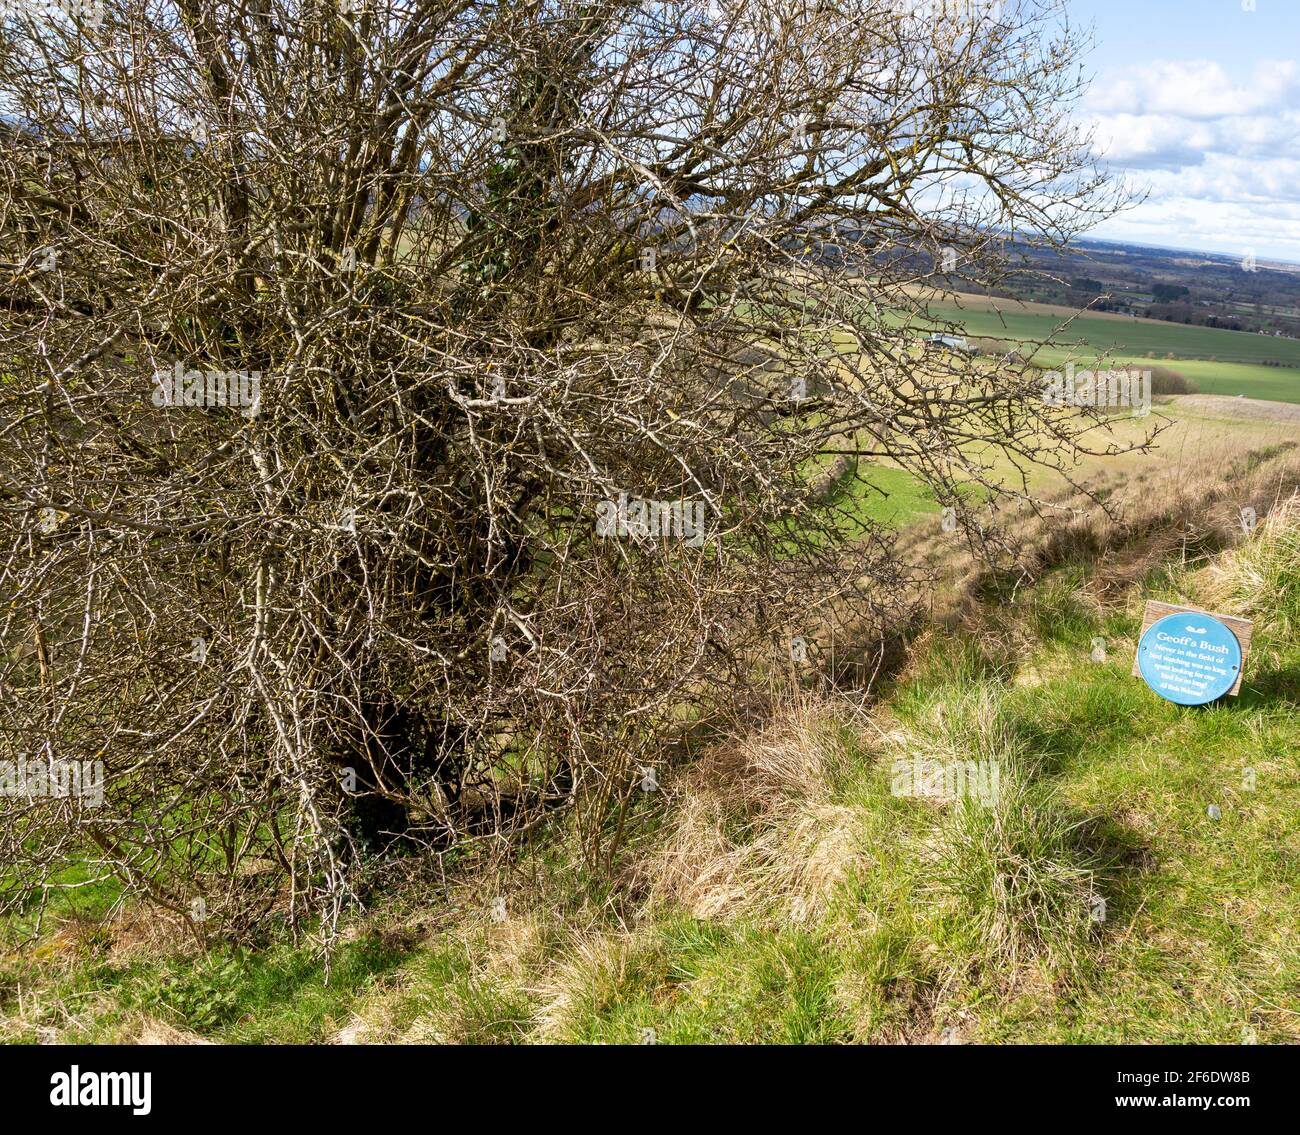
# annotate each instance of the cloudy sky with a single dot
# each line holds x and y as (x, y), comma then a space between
(1198, 102)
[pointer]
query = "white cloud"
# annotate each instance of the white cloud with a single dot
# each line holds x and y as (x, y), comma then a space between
(1221, 159)
(1161, 141)
(1196, 89)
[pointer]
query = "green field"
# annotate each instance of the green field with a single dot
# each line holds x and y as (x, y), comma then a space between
(1191, 436)
(889, 496)
(1214, 361)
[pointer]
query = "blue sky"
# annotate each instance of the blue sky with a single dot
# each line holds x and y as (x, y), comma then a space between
(1198, 101)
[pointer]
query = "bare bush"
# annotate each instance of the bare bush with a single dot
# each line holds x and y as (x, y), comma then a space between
(1165, 380)
(335, 339)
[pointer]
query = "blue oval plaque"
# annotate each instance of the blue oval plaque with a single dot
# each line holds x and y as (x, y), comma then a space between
(1189, 658)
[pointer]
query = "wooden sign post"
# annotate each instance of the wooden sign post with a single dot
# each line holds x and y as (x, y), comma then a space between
(1190, 656)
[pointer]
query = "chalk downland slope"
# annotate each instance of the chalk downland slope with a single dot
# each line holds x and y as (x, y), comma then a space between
(831, 877)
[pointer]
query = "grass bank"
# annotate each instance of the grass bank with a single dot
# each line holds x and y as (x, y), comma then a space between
(1122, 869)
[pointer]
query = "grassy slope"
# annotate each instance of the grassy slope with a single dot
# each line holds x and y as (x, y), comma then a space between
(777, 890)
(1193, 439)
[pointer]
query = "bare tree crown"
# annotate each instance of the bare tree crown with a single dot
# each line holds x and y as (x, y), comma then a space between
(409, 410)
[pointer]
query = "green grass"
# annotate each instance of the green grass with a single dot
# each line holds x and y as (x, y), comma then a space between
(1095, 900)
(1117, 335)
(1213, 360)
(887, 495)
(894, 497)
(276, 995)
(1273, 384)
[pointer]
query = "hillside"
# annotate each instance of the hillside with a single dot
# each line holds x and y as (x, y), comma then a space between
(1134, 875)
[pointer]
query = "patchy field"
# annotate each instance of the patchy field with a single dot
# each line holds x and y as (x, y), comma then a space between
(1201, 433)
(1214, 360)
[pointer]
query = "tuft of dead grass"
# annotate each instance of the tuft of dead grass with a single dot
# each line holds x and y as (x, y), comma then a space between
(756, 829)
(1260, 578)
(594, 968)
(150, 1030)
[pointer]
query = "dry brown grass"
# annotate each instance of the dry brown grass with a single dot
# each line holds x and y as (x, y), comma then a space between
(1257, 578)
(1145, 518)
(754, 829)
(150, 1030)
(594, 966)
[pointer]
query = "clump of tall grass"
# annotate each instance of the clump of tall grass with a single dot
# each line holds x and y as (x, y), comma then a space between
(1007, 862)
(1261, 576)
(1017, 875)
(957, 721)
(758, 826)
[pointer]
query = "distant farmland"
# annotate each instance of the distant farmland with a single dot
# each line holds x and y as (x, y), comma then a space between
(1214, 360)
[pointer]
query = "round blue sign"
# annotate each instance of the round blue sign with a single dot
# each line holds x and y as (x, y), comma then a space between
(1190, 658)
